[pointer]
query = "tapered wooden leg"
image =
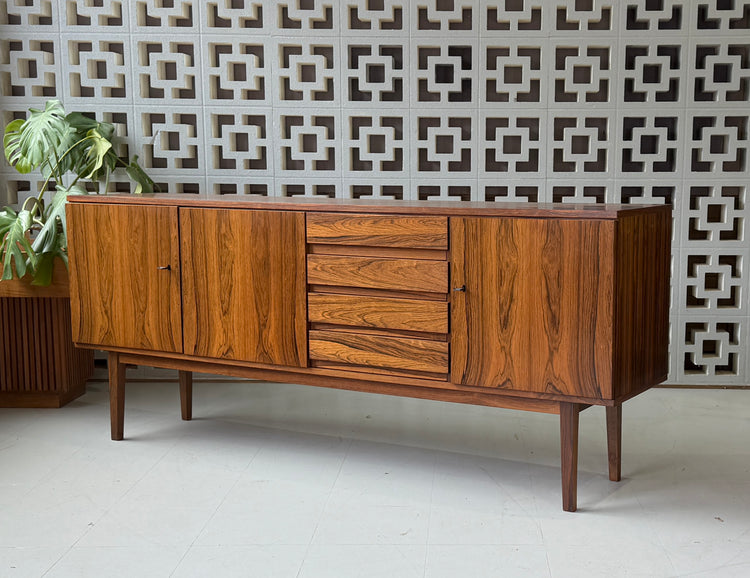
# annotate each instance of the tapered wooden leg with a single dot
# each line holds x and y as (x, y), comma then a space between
(116, 395)
(614, 441)
(569, 454)
(186, 394)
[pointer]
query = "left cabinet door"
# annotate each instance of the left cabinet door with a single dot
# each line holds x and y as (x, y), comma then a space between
(125, 276)
(244, 285)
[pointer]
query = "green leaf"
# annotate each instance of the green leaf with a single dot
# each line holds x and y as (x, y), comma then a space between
(46, 239)
(53, 237)
(144, 184)
(12, 143)
(83, 124)
(14, 243)
(97, 148)
(39, 139)
(46, 261)
(89, 159)
(7, 217)
(44, 269)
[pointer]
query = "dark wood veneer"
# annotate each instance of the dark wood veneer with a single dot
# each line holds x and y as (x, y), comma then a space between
(404, 314)
(378, 273)
(536, 313)
(378, 231)
(128, 292)
(243, 285)
(379, 351)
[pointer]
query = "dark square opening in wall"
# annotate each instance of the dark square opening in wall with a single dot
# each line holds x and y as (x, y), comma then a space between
(444, 74)
(444, 144)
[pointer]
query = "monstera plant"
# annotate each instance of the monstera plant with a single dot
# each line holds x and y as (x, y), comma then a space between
(69, 150)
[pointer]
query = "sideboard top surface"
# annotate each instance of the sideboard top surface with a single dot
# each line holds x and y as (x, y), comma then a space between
(522, 210)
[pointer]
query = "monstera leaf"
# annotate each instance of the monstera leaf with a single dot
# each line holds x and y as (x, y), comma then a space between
(92, 156)
(97, 148)
(39, 141)
(144, 184)
(51, 241)
(15, 248)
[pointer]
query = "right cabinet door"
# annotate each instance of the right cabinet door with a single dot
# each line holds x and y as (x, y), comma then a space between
(535, 313)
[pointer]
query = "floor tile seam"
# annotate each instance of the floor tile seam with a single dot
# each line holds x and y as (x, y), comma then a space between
(325, 505)
(547, 560)
(713, 569)
(510, 494)
(429, 510)
(219, 504)
(660, 542)
(524, 433)
(48, 475)
(435, 544)
(27, 423)
(38, 484)
(491, 544)
(106, 511)
(538, 519)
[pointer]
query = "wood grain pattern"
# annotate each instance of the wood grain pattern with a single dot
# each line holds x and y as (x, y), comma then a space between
(417, 388)
(379, 351)
(614, 441)
(569, 418)
(383, 206)
(118, 294)
(39, 366)
(397, 252)
(59, 287)
(368, 371)
(116, 369)
(186, 394)
(642, 302)
(378, 312)
(378, 273)
(244, 293)
(417, 232)
(316, 369)
(536, 314)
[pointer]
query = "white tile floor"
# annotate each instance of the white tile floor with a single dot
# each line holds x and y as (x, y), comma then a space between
(283, 481)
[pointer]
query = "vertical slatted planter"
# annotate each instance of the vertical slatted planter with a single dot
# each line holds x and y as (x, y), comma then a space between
(39, 366)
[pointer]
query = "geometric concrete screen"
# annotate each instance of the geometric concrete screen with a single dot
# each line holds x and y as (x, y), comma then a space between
(620, 101)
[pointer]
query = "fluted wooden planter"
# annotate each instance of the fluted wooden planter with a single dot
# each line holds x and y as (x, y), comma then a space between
(39, 367)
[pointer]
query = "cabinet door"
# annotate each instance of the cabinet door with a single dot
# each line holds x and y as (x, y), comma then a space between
(244, 291)
(125, 276)
(536, 312)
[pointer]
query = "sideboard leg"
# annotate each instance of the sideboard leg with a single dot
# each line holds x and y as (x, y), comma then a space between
(569, 454)
(116, 395)
(614, 441)
(186, 394)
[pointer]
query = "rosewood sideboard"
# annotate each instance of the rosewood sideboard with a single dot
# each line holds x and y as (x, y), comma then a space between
(540, 307)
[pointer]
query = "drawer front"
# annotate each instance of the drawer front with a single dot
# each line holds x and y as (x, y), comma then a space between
(378, 273)
(413, 232)
(378, 312)
(397, 353)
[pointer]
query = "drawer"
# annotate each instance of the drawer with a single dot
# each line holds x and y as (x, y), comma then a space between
(376, 351)
(378, 312)
(405, 231)
(378, 273)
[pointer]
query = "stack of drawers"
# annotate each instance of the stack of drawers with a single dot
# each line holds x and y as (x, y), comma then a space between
(378, 293)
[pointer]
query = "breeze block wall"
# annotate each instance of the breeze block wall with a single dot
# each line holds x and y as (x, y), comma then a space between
(620, 101)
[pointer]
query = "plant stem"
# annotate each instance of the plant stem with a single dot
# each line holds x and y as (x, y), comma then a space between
(58, 178)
